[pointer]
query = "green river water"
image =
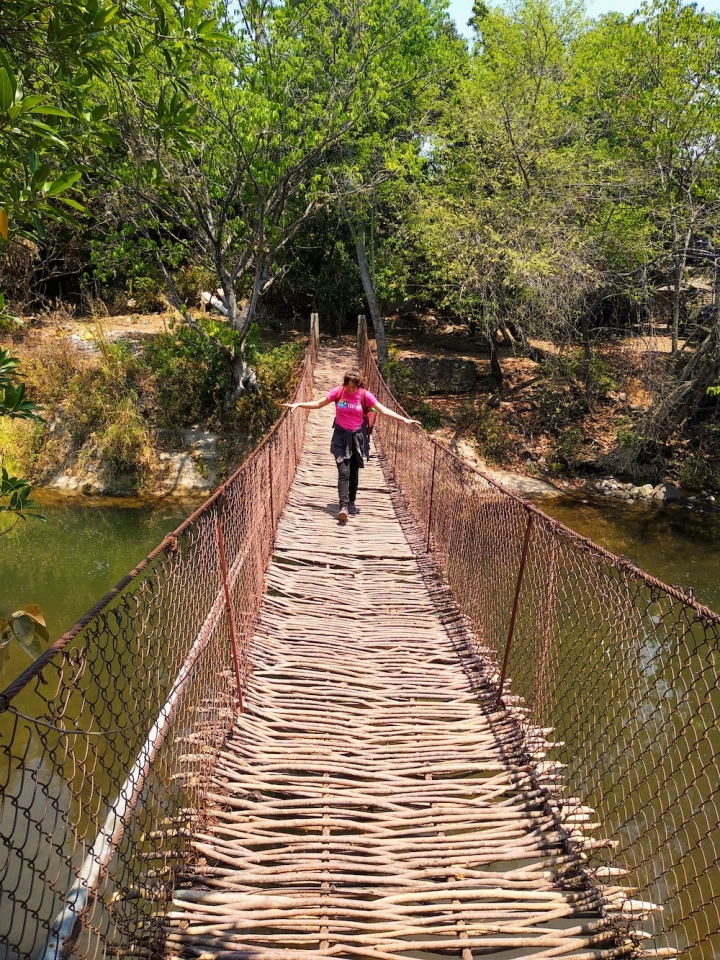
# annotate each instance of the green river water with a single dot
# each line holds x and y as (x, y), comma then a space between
(673, 543)
(67, 563)
(85, 546)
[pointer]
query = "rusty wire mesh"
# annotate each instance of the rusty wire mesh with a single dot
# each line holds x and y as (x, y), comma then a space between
(623, 669)
(112, 733)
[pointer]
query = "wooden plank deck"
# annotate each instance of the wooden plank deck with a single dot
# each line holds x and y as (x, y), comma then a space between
(371, 802)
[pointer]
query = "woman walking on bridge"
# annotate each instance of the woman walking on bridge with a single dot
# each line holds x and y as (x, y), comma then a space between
(352, 404)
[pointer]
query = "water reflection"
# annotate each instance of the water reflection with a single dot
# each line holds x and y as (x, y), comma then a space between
(674, 544)
(68, 563)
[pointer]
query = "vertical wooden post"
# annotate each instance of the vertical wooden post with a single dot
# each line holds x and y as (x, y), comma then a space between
(430, 507)
(540, 693)
(362, 326)
(397, 428)
(523, 558)
(228, 604)
(314, 330)
(270, 484)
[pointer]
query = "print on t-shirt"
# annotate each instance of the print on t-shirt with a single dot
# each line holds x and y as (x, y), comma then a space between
(349, 408)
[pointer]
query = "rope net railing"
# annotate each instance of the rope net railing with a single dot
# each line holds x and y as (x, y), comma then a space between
(108, 739)
(622, 668)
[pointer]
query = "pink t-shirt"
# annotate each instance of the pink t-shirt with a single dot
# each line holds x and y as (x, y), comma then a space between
(349, 406)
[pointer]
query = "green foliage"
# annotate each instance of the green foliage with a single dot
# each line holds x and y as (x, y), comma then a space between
(13, 401)
(28, 628)
(402, 380)
(191, 280)
(126, 442)
(625, 436)
(697, 473)
(8, 320)
(489, 432)
(277, 372)
(192, 375)
(15, 491)
(428, 416)
(232, 156)
(20, 443)
(568, 452)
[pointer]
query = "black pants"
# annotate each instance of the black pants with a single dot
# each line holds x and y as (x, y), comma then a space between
(348, 476)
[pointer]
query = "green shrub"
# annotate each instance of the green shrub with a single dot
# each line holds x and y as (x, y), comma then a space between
(489, 432)
(695, 473)
(192, 376)
(126, 442)
(428, 416)
(20, 443)
(191, 280)
(401, 380)
(568, 452)
(149, 294)
(277, 372)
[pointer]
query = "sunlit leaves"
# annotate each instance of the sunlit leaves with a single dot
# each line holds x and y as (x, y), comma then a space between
(240, 151)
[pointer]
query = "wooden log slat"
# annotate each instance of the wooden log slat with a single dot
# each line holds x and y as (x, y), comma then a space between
(373, 801)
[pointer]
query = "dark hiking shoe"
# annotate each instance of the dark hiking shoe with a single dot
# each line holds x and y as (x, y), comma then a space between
(352, 509)
(343, 515)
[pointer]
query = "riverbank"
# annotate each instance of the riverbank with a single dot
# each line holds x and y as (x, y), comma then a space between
(552, 417)
(138, 405)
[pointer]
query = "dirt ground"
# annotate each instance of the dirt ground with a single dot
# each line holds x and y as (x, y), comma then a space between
(535, 416)
(547, 434)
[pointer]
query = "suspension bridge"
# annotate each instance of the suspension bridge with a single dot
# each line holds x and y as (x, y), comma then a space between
(451, 727)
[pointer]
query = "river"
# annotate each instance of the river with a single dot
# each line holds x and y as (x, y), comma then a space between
(67, 563)
(84, 547)
(677, 545)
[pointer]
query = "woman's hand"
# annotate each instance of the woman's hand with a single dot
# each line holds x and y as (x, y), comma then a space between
(293, 406)
(410, 420)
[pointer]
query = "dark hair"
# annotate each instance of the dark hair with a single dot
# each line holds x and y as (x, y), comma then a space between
(354, 376)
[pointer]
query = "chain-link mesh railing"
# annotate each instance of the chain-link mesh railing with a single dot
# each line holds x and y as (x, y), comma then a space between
(622, 668)
(107, 740)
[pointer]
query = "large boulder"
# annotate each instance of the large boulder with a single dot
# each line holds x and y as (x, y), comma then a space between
(442, 374)
(666, 492)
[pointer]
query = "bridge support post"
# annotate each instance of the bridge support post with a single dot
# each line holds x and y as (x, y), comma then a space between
(521, 572)
(430, 507)
(228, 604)
(361, 331)
(314, 330)
(270, 484)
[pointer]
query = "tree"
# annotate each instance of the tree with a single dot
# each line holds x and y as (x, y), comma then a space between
(54, 59)
(503, 222)
(47, 55)
(391, 149)
(234, 167)
(14, 491)
(650, 84)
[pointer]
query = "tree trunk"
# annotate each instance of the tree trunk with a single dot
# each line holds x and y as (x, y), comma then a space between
(495, 367)
(587, 349)
(679, 258)
(676, 301)
(358, 232)
(240, 318)
(244, 377)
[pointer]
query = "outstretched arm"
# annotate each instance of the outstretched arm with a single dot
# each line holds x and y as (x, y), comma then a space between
(309, 404)
(391, 413)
